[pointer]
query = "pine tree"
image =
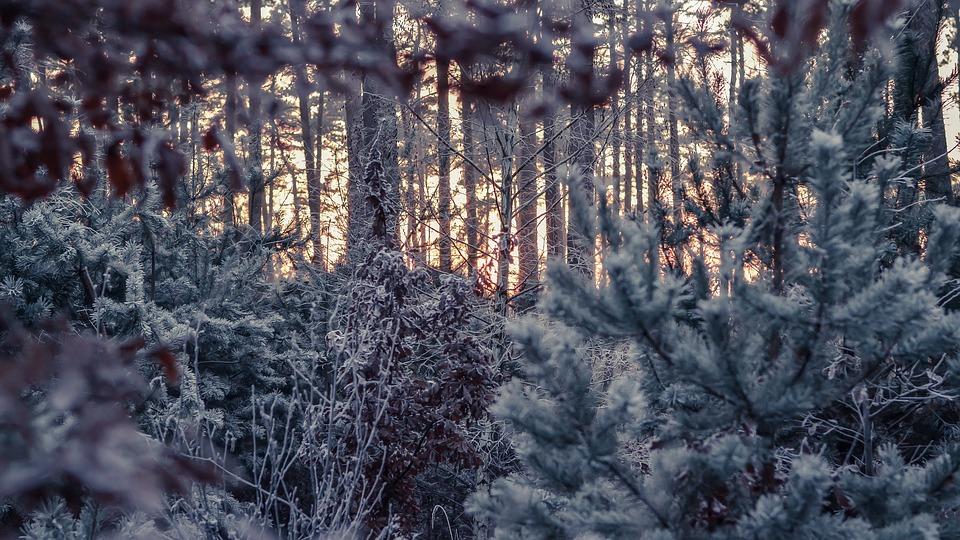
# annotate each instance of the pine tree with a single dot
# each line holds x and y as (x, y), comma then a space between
(759, 401)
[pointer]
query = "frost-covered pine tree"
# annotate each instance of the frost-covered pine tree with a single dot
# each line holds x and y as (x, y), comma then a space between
(800, 383)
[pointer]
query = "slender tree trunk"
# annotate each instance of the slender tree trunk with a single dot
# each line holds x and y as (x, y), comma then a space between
(617, 135)
(639, 137)
(443, 157)
(527, 200)
(506, 142)
(322, 245)
(676, 181)
(629, 137)
(486, 206)
(254, 151)
(423, 247)
(379, 115)
(652, 139)
(411, 156)
(409, 183)
(355, 204)
(304, 89)
(272, 144)
(936, 171)
(580, 244)
(735, 81)
(197, 177)
(230, 112)
(469, 175)
(955, 11)
(552, 193)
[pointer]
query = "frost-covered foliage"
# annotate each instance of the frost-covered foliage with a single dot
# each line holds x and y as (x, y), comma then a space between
(801, 384)
(305, 425)
(759, 338)
(66, 429)
(415, 379)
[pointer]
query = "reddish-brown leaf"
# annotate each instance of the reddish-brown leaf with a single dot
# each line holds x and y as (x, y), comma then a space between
(119, 171)
(168, 362)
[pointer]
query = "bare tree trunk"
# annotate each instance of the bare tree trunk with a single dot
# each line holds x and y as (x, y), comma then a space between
(469, 183)
(639, 136)
(580, 246)
(617, 136)
(506, 141)
(317, 191)
(411, 156)
(552, 194)
(355, 204)
(527, 200)
(272, 144)
(652, 138)
(423, 250)
(379, 116)
(676, 181)
(936, 171)
(629, 137)
(916, 82)
(195, 157)
(409, 183)
(229, 202)
(303, 88)
(254, 151)
(443, 156)
(955, 11)
(736, 44)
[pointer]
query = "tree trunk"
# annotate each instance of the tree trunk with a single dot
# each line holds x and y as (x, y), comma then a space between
(552, 193)
(936, 171)
(469, 183)
(304, 89)
(379, 119)
(443, 158)
(506, 143)
(355, 203)
(735, 46)
(317, 191)
(229, 201)
(527, 201)
(676, 181)
(629, 137)
(652, 138)
(617, 136)
(254, 151)
(580, 243)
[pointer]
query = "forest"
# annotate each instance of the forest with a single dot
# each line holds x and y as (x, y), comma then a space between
(479, 269)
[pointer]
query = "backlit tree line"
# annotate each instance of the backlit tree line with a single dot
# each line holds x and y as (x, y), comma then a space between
(658, 269)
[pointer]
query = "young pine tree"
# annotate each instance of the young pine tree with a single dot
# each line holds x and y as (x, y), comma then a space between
(778, 390)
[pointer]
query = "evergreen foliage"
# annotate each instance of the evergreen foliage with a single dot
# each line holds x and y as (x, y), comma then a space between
(782, 390)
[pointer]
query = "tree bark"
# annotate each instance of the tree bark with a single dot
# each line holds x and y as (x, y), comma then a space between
(580, 246)
(936, 171)
(443, 158)
(676, 181)
(254, 150)
(617, 135)
(506, 143)
(469, 175)
(230, 111)
(552, 192)
(303, 88)
(527, 200)
(629, 137)
(652, 139)
(379, 123)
